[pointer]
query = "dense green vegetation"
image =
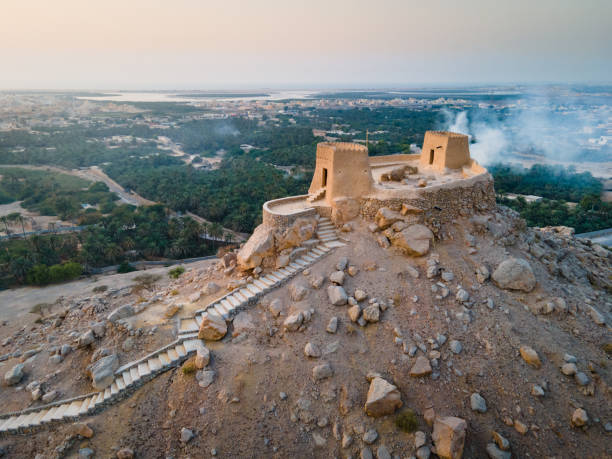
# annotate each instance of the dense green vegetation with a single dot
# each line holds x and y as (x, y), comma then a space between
(557, 185)
(127, 233)
(53, 193)
(552, 182)
(232, 195)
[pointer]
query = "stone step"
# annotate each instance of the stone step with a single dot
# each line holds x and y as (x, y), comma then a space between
(47, 417)
(127, 378)
(114, 389)
(180, 350)
(73, 409)
(213, 314)
(108, 393)
(15, 420)
(254, 289)
(154, 364)
(325, 227)
(240, 296)
(317, 252)
(164, 359)
(295, 266)
(120, 382)
(289, 269)
(268, 281)
(260, 284)
(326, 232)
(192, 345)
(221, 310)
(234, 300)
(173, 355)
(189, 325)
(227, 305)
(247, 293)
(134, 374)
(276, 277)
(329, 238)
(301, 262)
(59, 413)
(41, 414)
(335, 244)
(143, 369)
(25, 422)
(323, 247)
(308, 259)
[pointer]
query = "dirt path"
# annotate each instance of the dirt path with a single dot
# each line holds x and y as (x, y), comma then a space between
(16, 302)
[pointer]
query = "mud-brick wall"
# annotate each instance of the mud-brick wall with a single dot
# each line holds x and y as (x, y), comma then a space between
(442, 204)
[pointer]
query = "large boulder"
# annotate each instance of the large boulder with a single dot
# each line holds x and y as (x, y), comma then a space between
(259, 246)
(386, 217)
(212, 328)
(103, 371)
(344, 209)
(514, 274)
(383, 398)
(414, 240)
(449, 437)
(14, 375)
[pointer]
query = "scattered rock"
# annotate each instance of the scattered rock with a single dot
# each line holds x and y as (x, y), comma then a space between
(212, 328)
(293, 322)
(50, 396)
(579, 417)
(421, 367)
(186, 435)
(311, 350)
(125, 453)
(128, 344)
(478, 403)
(122, 312)
(423, 452)
(455, 346)
(55, 359)
(530, 356)
(370, 436)
(495, 453)
(354, 312)
(383, 453)
(337, 295)
(202, 357)
(332, 325)
(462, 296)
(501, 441)
(482, 274)
(412, 272)
(582, 379)
(86, 338)
(14, 375)
(420, 439)
(86, 453)
(205, 377)
(82, 429)
(514, 274)
(537, 391)
(366, 453)
(372, 313)
(449, 437)
(211, 288)
(347, 440)
(276, 307)
(322, 371)
(337, 277)
(383, 398)
(297, 292)
(360, 295)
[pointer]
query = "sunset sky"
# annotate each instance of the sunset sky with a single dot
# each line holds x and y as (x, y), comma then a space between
(200, 44)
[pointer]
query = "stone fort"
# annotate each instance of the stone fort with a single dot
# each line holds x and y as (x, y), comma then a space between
(437, 185)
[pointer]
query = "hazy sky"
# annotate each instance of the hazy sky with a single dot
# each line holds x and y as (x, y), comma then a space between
(178, 44)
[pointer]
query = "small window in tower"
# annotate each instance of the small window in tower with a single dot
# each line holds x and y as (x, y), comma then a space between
(324, 179)
(431, 157)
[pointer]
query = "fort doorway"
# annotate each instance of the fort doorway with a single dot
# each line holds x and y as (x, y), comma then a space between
(431, 157)
(324, 179)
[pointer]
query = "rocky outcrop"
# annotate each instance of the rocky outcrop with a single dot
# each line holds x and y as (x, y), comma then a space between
(383, 398)
(514, 274)
(14, 375)
(266, 244)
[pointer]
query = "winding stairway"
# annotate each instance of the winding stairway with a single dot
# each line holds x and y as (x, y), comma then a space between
(134, 374)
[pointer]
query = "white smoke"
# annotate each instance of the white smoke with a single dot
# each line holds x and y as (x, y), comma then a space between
(487, 142)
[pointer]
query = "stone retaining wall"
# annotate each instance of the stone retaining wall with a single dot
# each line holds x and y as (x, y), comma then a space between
(281, 221)
(442, 203)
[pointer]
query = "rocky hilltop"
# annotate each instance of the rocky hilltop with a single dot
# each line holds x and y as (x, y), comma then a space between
(383, 338)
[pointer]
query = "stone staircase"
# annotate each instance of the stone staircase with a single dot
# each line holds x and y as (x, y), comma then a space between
(229, 305)
(127, 379)
(134, 374)
(319, 194)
